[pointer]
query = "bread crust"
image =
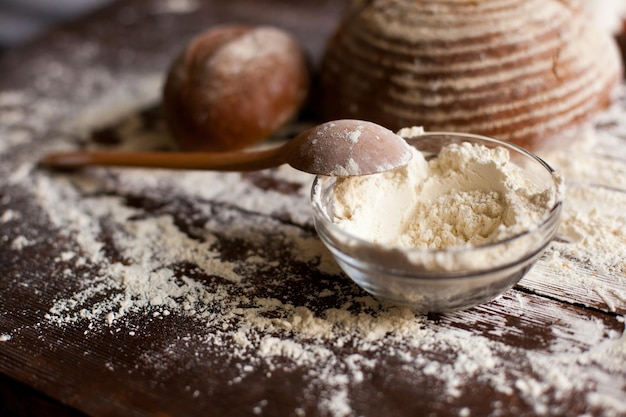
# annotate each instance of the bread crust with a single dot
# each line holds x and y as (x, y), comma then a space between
(233, 86)
(526, 71)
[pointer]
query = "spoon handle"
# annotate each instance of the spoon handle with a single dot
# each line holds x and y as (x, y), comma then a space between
(217, 161)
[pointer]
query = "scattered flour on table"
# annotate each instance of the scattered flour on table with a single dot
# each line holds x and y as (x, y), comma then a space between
(9, 215)
(299, 335)
(21, 242)
(264, 332)
(589, 254)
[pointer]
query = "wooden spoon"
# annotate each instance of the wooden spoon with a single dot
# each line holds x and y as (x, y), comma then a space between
(338, 148)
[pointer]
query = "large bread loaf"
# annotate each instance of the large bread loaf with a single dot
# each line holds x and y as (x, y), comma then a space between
(523, 70)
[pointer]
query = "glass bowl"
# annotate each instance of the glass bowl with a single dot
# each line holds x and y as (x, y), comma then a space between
(440, 280)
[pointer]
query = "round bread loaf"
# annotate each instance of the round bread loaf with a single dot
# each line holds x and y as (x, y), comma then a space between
(233, 86)
(522, 70)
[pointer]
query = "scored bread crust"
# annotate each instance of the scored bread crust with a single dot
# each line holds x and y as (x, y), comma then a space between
(526, 71)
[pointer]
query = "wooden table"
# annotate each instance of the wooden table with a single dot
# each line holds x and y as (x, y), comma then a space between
(156, 293)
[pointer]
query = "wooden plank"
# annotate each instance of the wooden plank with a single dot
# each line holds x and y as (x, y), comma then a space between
(586, 262)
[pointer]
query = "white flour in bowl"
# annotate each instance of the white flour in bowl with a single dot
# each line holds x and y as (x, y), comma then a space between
(467, 195)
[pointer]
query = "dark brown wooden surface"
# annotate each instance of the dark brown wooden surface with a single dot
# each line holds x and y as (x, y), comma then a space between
(171, 365)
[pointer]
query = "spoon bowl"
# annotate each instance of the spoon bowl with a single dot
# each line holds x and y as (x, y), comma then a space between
(338, 148)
